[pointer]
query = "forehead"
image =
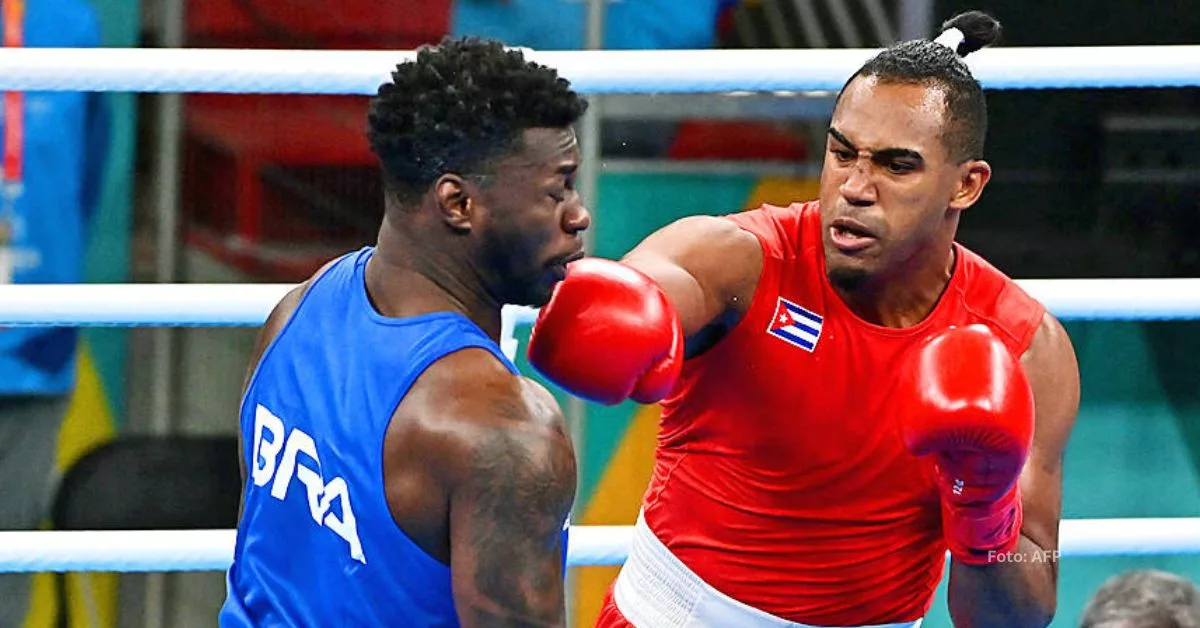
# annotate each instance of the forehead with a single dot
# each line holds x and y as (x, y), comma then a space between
(877, 115)
(547, 148)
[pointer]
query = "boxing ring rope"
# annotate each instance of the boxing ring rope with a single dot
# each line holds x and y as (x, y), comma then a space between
(234, 305)
(608, 71)
(212, 550)
(691, 71)
(180, 305)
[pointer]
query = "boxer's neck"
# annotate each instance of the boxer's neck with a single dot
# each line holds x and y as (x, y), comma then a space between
(411, 276)
(906, 296)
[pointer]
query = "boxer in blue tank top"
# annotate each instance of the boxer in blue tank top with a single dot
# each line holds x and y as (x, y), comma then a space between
(399, 471)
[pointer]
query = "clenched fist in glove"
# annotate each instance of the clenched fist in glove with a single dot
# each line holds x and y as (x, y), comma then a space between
(608, 334)
(964, 400)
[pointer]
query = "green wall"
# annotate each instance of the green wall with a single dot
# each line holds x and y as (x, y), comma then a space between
(109, 246)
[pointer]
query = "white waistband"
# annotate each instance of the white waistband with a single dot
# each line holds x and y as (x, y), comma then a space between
(656, 590)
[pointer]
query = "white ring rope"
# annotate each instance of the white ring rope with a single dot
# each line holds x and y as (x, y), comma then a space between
(212, 550)
(691, 71)
(248, 305)
(609, 71)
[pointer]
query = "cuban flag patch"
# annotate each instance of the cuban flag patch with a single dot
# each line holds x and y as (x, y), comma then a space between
(796, 325)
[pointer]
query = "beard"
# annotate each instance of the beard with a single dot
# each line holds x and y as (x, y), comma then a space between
(537, 293)
(511, 274)
(847, 279)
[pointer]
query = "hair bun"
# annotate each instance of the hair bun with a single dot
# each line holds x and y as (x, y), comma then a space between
(978, 28)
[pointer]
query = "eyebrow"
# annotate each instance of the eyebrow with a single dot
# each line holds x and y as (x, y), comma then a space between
(842, 138)
(881, 155)
(569, 168)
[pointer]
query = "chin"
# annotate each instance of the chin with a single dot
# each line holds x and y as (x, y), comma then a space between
(848, 272)
(538, 300)
(847, 278)
(534, 295)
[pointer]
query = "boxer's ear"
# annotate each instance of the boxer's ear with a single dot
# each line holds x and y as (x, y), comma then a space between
(973, 177)
(454, 201)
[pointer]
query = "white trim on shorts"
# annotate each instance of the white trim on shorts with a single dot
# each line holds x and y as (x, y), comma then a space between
(656, 590)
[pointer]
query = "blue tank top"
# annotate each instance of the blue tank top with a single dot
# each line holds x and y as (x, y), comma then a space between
(317, 545)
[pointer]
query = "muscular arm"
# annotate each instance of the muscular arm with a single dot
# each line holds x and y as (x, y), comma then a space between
(508, 505)
(621, 330)
(1023, 591)
(708, 267)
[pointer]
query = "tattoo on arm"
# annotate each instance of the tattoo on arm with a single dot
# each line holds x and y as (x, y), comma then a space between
(506, 528)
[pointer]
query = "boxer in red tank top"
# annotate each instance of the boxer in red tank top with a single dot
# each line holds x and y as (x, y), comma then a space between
(847, 392)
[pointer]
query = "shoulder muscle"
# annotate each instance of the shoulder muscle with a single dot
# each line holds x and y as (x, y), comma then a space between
(278, 318)
(1053, 372)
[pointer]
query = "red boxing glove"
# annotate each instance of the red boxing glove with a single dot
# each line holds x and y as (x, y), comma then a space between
(608, 334)
(966, 402)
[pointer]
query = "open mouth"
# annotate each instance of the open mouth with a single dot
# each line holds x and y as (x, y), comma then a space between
(558, 266)
(850, 235)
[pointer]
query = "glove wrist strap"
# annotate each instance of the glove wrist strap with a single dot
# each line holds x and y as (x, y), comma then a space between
(981, 534)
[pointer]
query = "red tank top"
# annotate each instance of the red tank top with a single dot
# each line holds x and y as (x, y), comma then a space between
(778, 478)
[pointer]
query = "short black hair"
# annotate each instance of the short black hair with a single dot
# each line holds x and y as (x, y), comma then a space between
(460, 104)
(1150, 598)
(927, 62)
